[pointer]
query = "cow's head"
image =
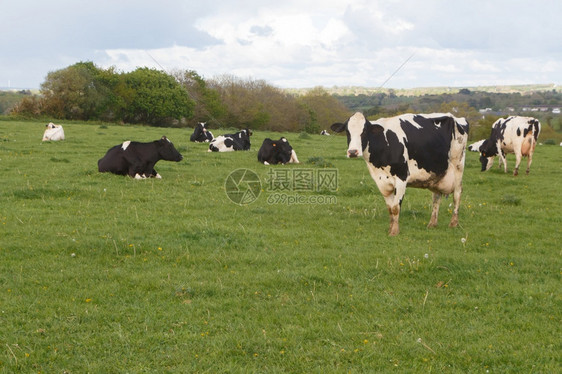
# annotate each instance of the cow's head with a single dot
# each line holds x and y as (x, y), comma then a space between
(488, 150)
(199, 132)
(167, 150)
(355, 129)
(284, 150)
(50, 125)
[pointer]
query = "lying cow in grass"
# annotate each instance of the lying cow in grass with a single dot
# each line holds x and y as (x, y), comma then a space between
(416, 150)
(53, 132)
(274, 152)
(138, 159)
(201, 134)
(239, 141)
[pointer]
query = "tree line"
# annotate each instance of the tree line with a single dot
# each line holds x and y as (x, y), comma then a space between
(181, 98)
(86, 92)
(466, 103)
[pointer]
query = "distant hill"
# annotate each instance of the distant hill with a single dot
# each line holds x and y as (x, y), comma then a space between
(420, 91)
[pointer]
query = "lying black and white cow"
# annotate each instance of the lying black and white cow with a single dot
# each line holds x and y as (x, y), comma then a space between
(475, 147)
(416, 150)
(239, 141)
(201, 134)
(274, 152)
(138, 159)
(510, 135)
(53, 132)
(324, 132)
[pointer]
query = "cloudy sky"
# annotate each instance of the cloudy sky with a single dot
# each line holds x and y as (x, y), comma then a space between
(290, 43)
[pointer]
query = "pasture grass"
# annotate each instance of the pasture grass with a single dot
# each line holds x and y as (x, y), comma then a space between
(103, 273)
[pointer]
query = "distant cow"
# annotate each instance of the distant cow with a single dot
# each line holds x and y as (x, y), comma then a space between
(274, 152)
(510, 135)
(417, 150)
(239, 141)
(138, 159)
(53, 132)
(324, 132)
(201, 134)
(475, 147)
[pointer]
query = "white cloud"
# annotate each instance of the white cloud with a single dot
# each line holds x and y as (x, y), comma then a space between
(293, 43)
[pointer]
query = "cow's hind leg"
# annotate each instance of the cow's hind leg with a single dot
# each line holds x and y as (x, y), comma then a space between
(517, 162)
(529, 161)
(435, 209)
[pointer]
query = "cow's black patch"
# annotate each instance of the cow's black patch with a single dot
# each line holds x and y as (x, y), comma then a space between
(537, 129)
(385, 150)
(275, 152)
(429, 142)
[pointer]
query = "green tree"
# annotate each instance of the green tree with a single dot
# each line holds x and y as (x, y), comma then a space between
(153, 97)
(483, 128)
(77, 92)
(256, 104)
(323, 109)
(208, 104)
(464, 110)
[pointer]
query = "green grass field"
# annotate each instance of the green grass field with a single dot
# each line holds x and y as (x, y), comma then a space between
(105, 274)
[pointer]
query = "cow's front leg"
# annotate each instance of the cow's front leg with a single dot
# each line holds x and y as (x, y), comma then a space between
(394, 212)
(503, 160)
(435, 209)
(394, 203)
(457, 203)
(155, 174)
(136, 171)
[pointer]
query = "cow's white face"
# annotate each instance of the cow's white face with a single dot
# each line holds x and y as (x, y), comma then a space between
(355, 127)
(487, 163)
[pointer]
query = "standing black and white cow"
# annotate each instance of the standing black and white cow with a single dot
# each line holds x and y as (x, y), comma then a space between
(510, 135)
(138, 159)
(417, 150)
(201, 134)
(239, 141)
(274, 152)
